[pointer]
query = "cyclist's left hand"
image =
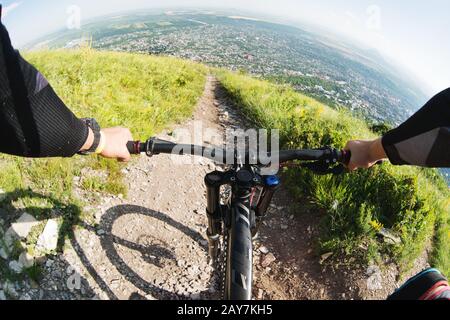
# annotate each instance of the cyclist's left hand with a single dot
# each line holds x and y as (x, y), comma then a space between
(116, 140)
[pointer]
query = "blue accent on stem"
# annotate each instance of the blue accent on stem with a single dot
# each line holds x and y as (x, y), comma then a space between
(272, 181)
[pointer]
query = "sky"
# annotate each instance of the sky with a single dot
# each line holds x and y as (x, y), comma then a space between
(412, 34)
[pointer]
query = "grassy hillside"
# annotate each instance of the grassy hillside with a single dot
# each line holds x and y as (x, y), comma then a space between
(143, 93)
(147, 94)
(412, 203)
(139, 92)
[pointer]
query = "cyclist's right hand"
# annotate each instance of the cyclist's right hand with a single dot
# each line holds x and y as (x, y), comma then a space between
(365, 154)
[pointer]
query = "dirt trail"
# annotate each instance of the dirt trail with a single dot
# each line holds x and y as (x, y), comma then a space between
(153, 245)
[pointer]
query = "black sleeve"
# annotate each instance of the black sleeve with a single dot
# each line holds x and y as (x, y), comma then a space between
(424, 139)
(34, 122)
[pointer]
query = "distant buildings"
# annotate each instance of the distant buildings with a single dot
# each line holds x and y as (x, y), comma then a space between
(289, 56)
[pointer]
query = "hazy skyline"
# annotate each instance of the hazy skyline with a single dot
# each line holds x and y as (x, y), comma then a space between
(409, 33)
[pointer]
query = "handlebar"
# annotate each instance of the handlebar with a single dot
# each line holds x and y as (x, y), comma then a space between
(155, 146)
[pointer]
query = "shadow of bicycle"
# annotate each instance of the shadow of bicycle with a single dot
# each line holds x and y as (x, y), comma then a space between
(155, 252)
(54, 280)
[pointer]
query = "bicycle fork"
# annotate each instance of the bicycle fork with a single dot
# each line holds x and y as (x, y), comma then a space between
(214, 212)
(213, 182)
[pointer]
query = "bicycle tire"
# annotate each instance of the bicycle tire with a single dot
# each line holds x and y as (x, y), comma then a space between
(239, 256)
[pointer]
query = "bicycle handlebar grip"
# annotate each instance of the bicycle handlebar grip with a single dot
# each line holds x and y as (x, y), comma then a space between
(134, 147)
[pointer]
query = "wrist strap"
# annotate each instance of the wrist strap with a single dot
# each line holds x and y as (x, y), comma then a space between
(93, 125)
(102, 143)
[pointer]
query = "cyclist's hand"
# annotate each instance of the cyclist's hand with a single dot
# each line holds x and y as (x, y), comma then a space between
(365, 153)
(116, 140)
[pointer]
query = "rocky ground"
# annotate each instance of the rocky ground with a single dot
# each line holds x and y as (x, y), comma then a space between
(152, 244)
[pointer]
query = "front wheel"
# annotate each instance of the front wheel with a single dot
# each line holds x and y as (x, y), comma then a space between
(239, 256)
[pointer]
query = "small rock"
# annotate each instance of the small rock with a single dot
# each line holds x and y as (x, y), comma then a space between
(325, 257)
(34, 284)
(389, 236)
(193, 270)
(363, 247)
(101, 232)
(267, 260)
(2, 295)
(48, 240)
(9, 238)
(25, 297)
(264, 250)
(9, 289)
(212, 290)
(115, 283)
(2, 195)
(16, 266)
(3, 253)
(196, 296)
(24, 224)
(26, 259)
(284, 227)
(260, 294)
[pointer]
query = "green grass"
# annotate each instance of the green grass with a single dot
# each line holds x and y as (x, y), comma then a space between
(411, 202)
(140, 92)
(441, 251)
(34, 272)
(143, 93)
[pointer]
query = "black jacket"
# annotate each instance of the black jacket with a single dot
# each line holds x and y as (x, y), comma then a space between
(424, 139)
(34, 122)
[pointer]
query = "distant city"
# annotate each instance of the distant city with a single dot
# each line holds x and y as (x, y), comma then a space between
(323, 68)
